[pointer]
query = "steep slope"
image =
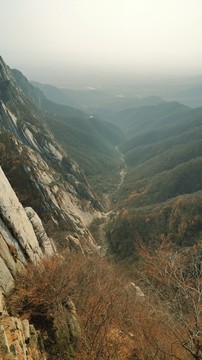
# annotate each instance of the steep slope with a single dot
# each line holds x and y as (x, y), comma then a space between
(161, 195)
(24, 245)
(91, 142)
(23, 241)
(48, 181)
(23, 238)
(172, 149)
(41, 173)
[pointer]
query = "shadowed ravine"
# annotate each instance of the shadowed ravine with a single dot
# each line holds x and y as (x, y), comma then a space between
(99, 226)
(123, 169)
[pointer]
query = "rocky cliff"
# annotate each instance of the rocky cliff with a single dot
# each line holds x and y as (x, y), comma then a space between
(22, 236)
(42, 174)
(18, 339)
(39, 182)
(22, 240)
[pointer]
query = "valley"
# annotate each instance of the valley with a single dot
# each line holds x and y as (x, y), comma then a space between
(123, 169)
(104, 212)
(99, 226)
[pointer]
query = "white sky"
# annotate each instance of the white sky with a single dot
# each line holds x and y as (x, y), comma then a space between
(125, 36)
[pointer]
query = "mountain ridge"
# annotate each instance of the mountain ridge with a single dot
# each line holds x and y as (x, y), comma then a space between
(30, 153)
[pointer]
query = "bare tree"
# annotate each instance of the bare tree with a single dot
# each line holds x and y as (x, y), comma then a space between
(174, 279)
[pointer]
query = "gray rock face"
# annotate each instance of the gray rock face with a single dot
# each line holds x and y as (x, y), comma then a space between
(135, 291)
(74, 244)
(18, 240)
(18, 339)
(6, 278)
(44, 241)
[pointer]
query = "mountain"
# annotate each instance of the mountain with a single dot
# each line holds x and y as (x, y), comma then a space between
(103, 102)
(25, 246)
(134, 93)
(54, 94)
(86, 98)
(46, 204)
(90, 141)
(161, 194)
(41, 173)
(23, 238)
(135, 120)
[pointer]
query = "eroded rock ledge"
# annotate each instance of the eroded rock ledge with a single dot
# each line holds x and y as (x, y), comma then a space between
(18, 338)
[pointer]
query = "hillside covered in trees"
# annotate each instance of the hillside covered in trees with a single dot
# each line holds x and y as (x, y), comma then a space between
(161, 194)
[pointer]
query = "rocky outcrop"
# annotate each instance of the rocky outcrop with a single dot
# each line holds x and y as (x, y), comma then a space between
(19, 242)
(18, 339)
(54, 196)
(44, 241)
(23, 240)
(135, 292)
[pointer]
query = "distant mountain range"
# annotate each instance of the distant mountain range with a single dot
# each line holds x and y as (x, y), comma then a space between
(95, 100)
(101, 100)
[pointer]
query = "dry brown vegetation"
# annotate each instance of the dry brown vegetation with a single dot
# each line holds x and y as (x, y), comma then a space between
(174, 278)
(111, 321)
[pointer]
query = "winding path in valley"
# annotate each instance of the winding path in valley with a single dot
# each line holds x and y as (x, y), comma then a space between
(106, 217)
(123, 168)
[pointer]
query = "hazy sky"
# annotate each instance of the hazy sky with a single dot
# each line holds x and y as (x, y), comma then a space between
(55, 40)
